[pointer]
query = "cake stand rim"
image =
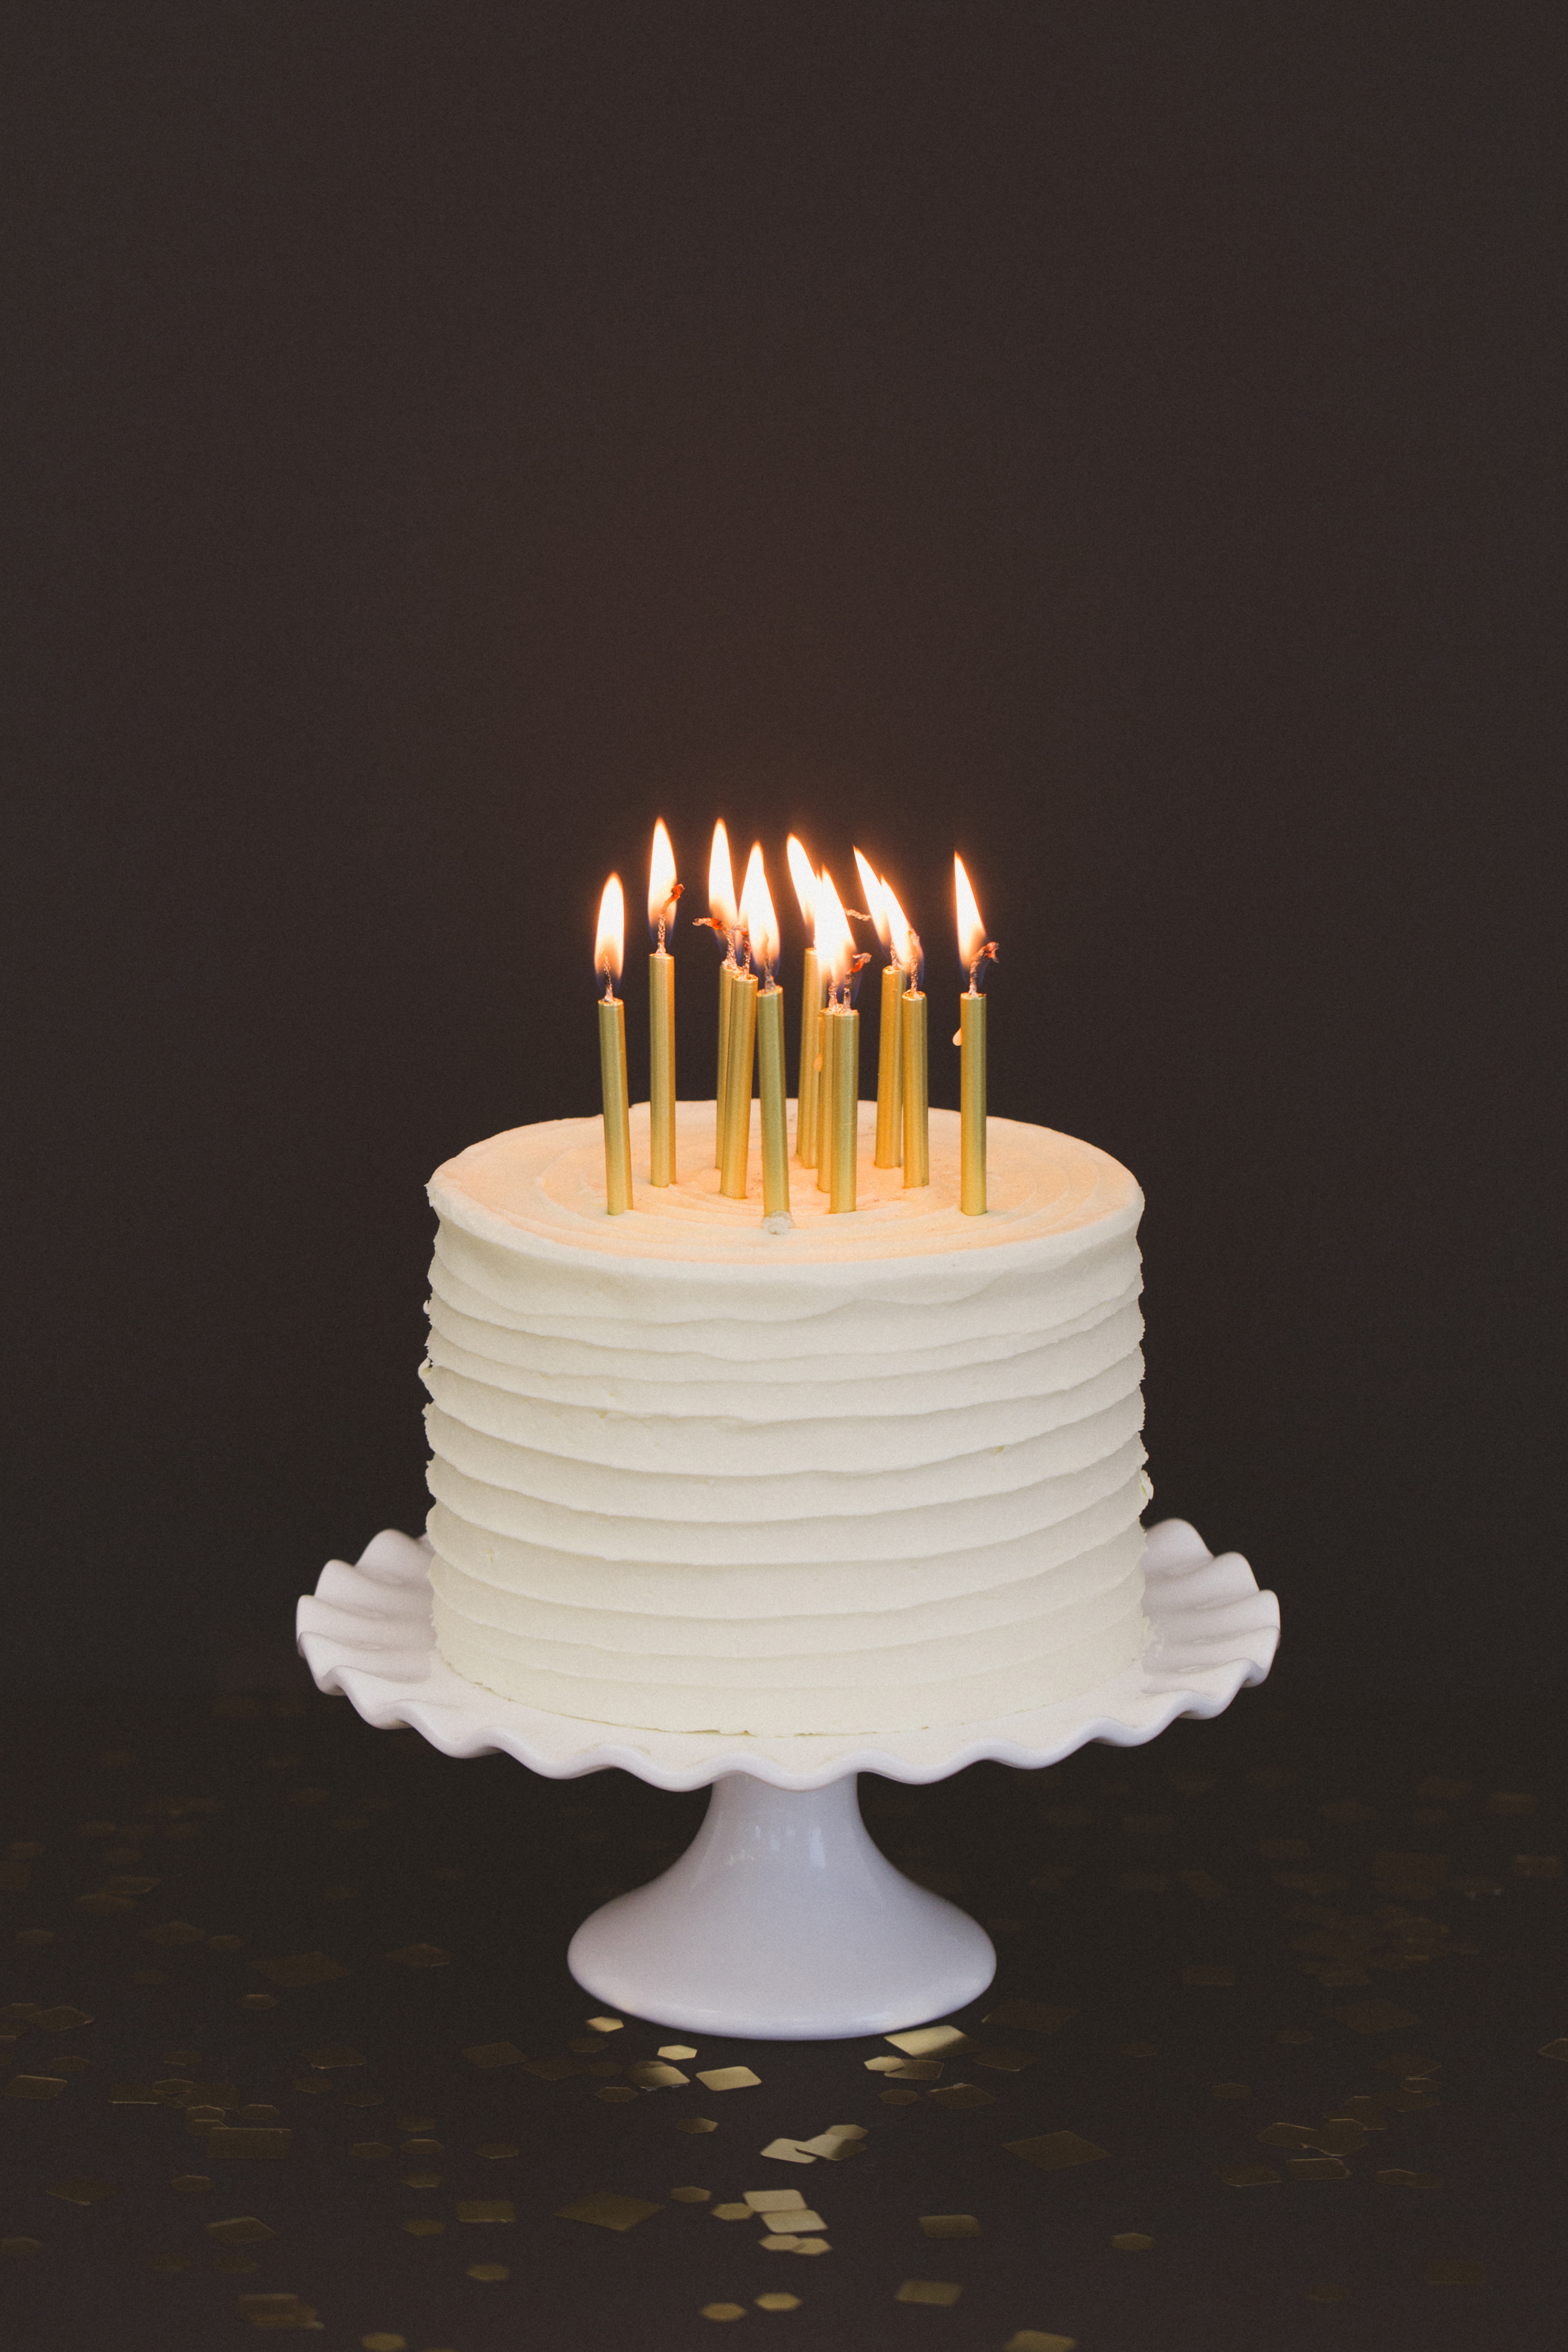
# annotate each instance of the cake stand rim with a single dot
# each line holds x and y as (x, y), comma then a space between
(366, 1632)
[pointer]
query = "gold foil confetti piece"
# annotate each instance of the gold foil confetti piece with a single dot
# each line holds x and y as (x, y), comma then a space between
(495, 2150)
(420, 1956)
(134, 2094)
(338, 2054)
(364, 2099)
(1558, 2049)
(941, 2290)
(928, 2070)
(102, 1905)
(34, 2086)
(1325, 2293)
(584, 2045)
(692, 2196)
(257, 1999)
(168, 2261)
(949, 2225)
(790, 2151)
(173, 1933)
(1287, 2135)
(277, 2311)
(654, 2075)
(370, 2148)
(1373, 2017)
(244, 2230)
(1406, 2063)
(723, 2311)
(1002, 2057)
(1316, 2168)
(606, 2211)
(556, 2069)
(421, 2180)
(898, 2097)
(16, 2249)
(961, 2095)
(734, 2212)
(696, 2123)
(489, 2273)
(81, 2192)
(62, 2020)
(1339, 2137)
(494, 2054)
(1132, 2241)
(236, 2262)
(182, 2057)
(1055, 2151)
(424, 2225)
(1538, 1865)
(1139, 2050)
(616, 2095)
(729, 2078)
(1039, 2339)
(932, 2042)
(778, 2302)
(202, 2120)
(1207, 1972)
(836, 2143)
(774, 2200)
(242, 2141)
(191, 2184)
(779, 2242)
(380, 2340)
(485, 2209)
(1368, 2112)
(1509, 1804)
(132, 1886)
(1249, 2176)
(1456, 2274)
(423, 2147)
(811, 2246)
(677, 2049)
(605, 2024)
(888, 2065)
(1393, 2177)
(297, 1969)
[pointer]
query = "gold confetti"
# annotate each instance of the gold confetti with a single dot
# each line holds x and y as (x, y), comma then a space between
(1393, 2178)
(1249, 2176)
(1055, 2151)
(923, 2070)
(1373, 2017)
(898, 2098)
(370, 2148)
(606, 2211)
(654, 2075)
(949, 2225)
(1509, 1804)
(62, 2020)
(839, 2142)
(942, 2291)
(191, 2184)
(1132, 2241)
(605, 2024)
(34, 2086)
(82, 2192)
(420, 1956)
(1002, 2057)
(696, 2123)
(961, 2095)
(723, 2311)
(774, 2200)
(381, 2341)
(421, 2180)
(892, 2065)
(485, 2209)
(692, 2196)
(1207, 1972)
(241, 2140)
(1316, 2168)
(276, 2311)
(555, 2069)
(616, 2095)
(297, 1969)
(1029, 2016)
(790, 2151)
(729, 2078)
(489, 2273)
(175, 1932)
(16, 2249)
(932, 2042)
(245, 2230)
(677, 2049)
(496, 2149)
(778, 2302)
(423, 2226)
(324, 2061)
(1039, 2339)
(1287, 2135)
(1558, 2049)
(1456, 2274)
(734, 2212)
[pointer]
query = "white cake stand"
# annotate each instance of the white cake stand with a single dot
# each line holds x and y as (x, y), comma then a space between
(781, 1919)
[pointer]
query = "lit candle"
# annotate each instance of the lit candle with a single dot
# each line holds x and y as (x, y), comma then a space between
(663, 896)
(737, 1139)
(973, 950)
(609, 954)
(805, 881)
(837, 1138)
(723, 920)
(834, 956)
(912, 1030)
(762, 931)
(889, 1031)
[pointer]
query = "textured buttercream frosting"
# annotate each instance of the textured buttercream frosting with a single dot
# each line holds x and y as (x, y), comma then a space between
(867, 1472)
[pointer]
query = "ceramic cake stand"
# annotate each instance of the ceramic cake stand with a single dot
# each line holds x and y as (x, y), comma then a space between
(781, 1919)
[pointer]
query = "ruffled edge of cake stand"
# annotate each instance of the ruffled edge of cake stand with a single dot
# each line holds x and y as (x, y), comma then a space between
(365, 1631)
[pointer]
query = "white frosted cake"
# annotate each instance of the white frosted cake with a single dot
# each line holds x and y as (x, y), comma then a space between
(870, 1473)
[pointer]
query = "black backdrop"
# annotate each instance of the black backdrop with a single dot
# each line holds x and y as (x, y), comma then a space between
(1114, 442)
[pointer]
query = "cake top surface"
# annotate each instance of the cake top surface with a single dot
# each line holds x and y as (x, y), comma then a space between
(539, 1189)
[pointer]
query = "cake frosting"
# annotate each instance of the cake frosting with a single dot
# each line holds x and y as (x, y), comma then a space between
(694, 1472)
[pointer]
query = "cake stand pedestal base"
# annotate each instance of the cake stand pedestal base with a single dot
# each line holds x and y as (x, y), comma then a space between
(782, 1920)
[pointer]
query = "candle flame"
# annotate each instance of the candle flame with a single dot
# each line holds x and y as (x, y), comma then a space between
(662, 889)
(758, 919)
(876, 905)
(610, 943)
(903, 944)
(970, 928)
(835, 940)
(801, 874)
(722, 882)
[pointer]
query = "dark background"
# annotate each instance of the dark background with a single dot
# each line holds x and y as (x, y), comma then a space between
(1116, 441)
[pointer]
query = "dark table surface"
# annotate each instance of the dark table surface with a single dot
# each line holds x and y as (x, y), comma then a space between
(1350, 1923)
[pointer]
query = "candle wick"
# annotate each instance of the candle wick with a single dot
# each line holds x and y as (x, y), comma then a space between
(609, 986)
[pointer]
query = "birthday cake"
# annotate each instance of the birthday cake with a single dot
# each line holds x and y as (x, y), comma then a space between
(694, 1471)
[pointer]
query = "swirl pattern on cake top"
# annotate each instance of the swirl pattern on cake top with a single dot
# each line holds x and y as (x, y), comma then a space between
(870, 1472)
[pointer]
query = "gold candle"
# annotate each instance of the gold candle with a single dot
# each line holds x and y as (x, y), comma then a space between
(835, 959)
(890, 1071)
(771, 1083)
(917, 1114)
(728, 974)
(845, 1027)
(971, 1103)
(806, 1093)
(609, 951)
(663, 896)
(738, 1086)
(724, 921)
(823, 1083)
